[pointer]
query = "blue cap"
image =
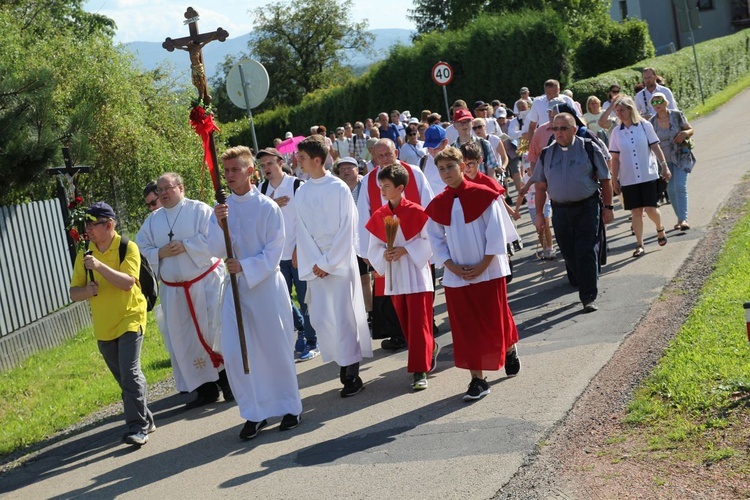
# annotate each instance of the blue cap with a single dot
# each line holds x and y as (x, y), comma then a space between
(101, 210)
(433, 136)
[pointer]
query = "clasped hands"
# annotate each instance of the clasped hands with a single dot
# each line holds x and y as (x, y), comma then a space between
(171, 249)
(394, 254)
(467, 272)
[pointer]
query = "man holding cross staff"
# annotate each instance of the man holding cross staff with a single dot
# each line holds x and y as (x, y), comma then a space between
(252, 253)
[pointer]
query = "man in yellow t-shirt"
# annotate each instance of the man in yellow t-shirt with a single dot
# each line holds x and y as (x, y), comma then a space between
(119, 311)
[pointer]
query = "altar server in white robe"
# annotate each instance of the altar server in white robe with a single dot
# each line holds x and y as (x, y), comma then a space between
(325, 257)
(385, 320)
(174, 240)
(256, 227)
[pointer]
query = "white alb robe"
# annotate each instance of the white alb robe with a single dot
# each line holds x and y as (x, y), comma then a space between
(326, 233)
(467, 244)
(270, 389)
(188, 221)
(411, 273)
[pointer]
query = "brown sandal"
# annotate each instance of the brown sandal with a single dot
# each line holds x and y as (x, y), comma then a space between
(639, 251)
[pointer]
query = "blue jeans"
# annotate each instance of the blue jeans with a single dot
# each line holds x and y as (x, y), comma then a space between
(301, 318)
(576, 234)
(677, 191)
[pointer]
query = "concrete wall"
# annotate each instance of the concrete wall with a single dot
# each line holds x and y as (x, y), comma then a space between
(46, 333)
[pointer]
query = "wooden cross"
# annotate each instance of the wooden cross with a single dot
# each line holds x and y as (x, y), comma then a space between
(194, 44)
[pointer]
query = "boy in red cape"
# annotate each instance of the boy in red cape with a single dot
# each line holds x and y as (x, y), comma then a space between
(406, 269)
(468, 239)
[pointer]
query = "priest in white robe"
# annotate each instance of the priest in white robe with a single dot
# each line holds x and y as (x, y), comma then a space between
(174, 240)
(256, 227)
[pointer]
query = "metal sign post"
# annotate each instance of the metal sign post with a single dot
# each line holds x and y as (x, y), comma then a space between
(442, 74)
(245, 86)
(689, 19)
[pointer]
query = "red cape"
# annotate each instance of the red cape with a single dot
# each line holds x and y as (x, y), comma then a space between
(411, 192)
(486, 180)
(410, 215)
(474, 199)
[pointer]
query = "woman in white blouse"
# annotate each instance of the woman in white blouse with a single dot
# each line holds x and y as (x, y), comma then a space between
(636, 162)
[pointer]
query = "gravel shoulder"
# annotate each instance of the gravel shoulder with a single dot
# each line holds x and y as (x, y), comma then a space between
(573, 462)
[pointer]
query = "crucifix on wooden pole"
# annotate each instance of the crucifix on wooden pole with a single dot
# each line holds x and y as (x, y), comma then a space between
(194, 44)
(202, 122)
(67, 191)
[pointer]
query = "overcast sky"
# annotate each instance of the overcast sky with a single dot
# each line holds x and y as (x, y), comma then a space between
(154, 20)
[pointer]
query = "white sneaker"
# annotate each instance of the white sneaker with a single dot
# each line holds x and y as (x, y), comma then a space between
(137, 438)
(549, 254)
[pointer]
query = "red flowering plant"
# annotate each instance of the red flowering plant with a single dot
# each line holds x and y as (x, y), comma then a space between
(77, 226)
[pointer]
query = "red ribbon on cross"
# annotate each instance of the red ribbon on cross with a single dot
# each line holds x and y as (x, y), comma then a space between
(204, 125)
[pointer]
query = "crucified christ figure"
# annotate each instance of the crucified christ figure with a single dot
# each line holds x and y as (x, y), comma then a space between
(193, 45)
(197, 69)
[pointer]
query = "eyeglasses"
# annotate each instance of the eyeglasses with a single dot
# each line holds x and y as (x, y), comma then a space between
(614, 91)
(560, 129)
(477, 127)
(164, 189)
(90, 224)
(412, 133)
(657, 101)
(152, 203)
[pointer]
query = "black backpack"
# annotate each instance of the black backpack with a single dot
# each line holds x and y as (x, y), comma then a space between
(146, 277)
(297, 182)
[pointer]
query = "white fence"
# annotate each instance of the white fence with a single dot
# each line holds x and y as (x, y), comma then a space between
(34, 264)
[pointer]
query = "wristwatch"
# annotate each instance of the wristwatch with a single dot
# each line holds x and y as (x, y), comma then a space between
(609, 207)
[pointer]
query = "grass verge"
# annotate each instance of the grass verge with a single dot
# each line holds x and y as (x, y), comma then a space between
(719, 99)
(56, 388)
(695, 405)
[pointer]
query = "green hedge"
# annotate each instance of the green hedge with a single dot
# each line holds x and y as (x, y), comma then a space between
(722, 61)
(492, 59)
(613, 45)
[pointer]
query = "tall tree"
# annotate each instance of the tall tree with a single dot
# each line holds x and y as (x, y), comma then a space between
(432, 15)
(441, 15)
(304, 45)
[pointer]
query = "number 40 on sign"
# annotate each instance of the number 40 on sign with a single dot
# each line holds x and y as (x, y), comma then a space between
(442, 73)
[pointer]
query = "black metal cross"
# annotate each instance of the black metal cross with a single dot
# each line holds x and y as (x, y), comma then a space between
(71, 171)
(64, 195)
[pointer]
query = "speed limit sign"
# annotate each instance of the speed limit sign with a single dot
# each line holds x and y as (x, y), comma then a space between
(442, 73)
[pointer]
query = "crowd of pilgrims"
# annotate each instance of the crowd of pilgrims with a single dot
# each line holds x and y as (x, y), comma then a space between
(363, 226)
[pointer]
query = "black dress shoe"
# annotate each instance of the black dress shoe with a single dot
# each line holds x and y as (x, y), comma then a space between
(201, 400)
(251, 429)
(393, 344)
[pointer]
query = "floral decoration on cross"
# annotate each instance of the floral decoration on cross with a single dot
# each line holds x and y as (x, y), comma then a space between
(77, 226)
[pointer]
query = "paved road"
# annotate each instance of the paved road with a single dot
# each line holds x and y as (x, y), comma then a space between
(389, 442)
